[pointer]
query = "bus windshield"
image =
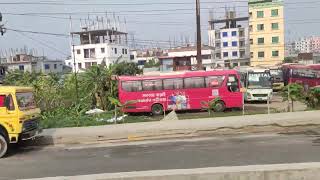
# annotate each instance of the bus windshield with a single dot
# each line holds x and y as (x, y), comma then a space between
(26, 101)
(259, 81)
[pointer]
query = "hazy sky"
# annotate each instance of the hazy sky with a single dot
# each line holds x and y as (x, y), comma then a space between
(146, 21)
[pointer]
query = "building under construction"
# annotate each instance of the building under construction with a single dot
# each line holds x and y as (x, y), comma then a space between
(230, 40)
(100, 41)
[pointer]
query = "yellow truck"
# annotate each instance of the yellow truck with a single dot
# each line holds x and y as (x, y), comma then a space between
(19, 116)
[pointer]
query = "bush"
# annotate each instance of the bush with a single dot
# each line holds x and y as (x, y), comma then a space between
(313, 98)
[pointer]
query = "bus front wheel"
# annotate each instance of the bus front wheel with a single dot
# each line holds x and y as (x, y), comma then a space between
(157, 109)
(220, 107)
(3, 145)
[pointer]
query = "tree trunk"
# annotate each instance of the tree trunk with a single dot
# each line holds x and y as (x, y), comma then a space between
(292, 104)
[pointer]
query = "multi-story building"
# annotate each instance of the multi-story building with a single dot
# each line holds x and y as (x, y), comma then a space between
(184, 59)
(266, 26)
(30, 63)
(230, 42)
(308, 45)
(101, 42)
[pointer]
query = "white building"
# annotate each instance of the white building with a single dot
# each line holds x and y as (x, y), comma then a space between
(185, 59)
(29, 63)
(308, 45)
(230, 42)
(100, 43)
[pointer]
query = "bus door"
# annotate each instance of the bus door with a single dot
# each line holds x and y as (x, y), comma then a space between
(234, 98)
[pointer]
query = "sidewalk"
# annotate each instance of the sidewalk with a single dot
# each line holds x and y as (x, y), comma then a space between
(285, 122)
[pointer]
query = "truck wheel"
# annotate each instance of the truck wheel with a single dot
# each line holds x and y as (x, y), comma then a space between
(3, 146)
(220, 107)
(157, 109)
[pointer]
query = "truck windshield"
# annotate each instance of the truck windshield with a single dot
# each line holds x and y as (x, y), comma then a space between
(26, 100)
(259, 81)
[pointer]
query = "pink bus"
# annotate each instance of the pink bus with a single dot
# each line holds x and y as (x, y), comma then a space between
(186, 91)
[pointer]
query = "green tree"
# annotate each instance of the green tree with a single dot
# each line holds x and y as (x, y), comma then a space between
(288, 60)
(125, 68)
(293, 92)
(313, 98)
(152, 63)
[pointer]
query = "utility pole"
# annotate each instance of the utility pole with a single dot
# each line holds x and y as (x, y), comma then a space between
(199, 55)
(2, 29)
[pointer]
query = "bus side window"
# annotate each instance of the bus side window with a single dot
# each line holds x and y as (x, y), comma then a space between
(214, 81)
(172, 84)
(152, 85)
(195, 82)
(233, 83)
(132, 86)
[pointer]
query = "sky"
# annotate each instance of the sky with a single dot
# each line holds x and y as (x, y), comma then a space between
(150, 21)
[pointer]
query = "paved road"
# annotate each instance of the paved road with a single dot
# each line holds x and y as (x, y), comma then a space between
(212, 152)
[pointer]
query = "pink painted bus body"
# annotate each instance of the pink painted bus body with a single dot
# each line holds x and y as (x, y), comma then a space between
(180, 92)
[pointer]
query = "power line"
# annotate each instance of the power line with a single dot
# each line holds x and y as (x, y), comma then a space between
(42, 43)
(35, 32)
(134, 4)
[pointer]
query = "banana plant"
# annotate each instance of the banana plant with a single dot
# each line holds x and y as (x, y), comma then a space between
(119, 107)
(210, 106)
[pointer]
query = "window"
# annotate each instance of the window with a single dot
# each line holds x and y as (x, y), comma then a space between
(233, 83)
(195, 82)
(260, 40)
(275, 53)
(122, 51)
(87, 65)
(79, 65)
(21, 67)
(103, 50)
(89, 53)
(225, 34)
(274, 12)
(250, 28)
(172, 84)
(78, 51)
(132, 86)
(94, 64)
(55, 66)
(25, 101)
(234, 43)
(225, 54)
(250, 14)
(115, 51)
(86, 53)
(261, 54)
(47, 66)
(260, 27)
(225, 44)
(126, 51)
(275, 26)
(235, 53)
(251, 41)
(260, 14)
(251, 54)
(234, 33)
(214, 81)
(275, 40)
(152, 85)
(218, 45)
(92, 53)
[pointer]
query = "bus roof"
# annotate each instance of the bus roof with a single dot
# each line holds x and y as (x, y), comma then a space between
(182, 75)
(14, 89)
(302, 66)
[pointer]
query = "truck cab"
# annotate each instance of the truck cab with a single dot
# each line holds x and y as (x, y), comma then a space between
(19, 116)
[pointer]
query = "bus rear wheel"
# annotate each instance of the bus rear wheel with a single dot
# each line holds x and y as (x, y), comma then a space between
(3, 145)
(220, 107)
(157, 109)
